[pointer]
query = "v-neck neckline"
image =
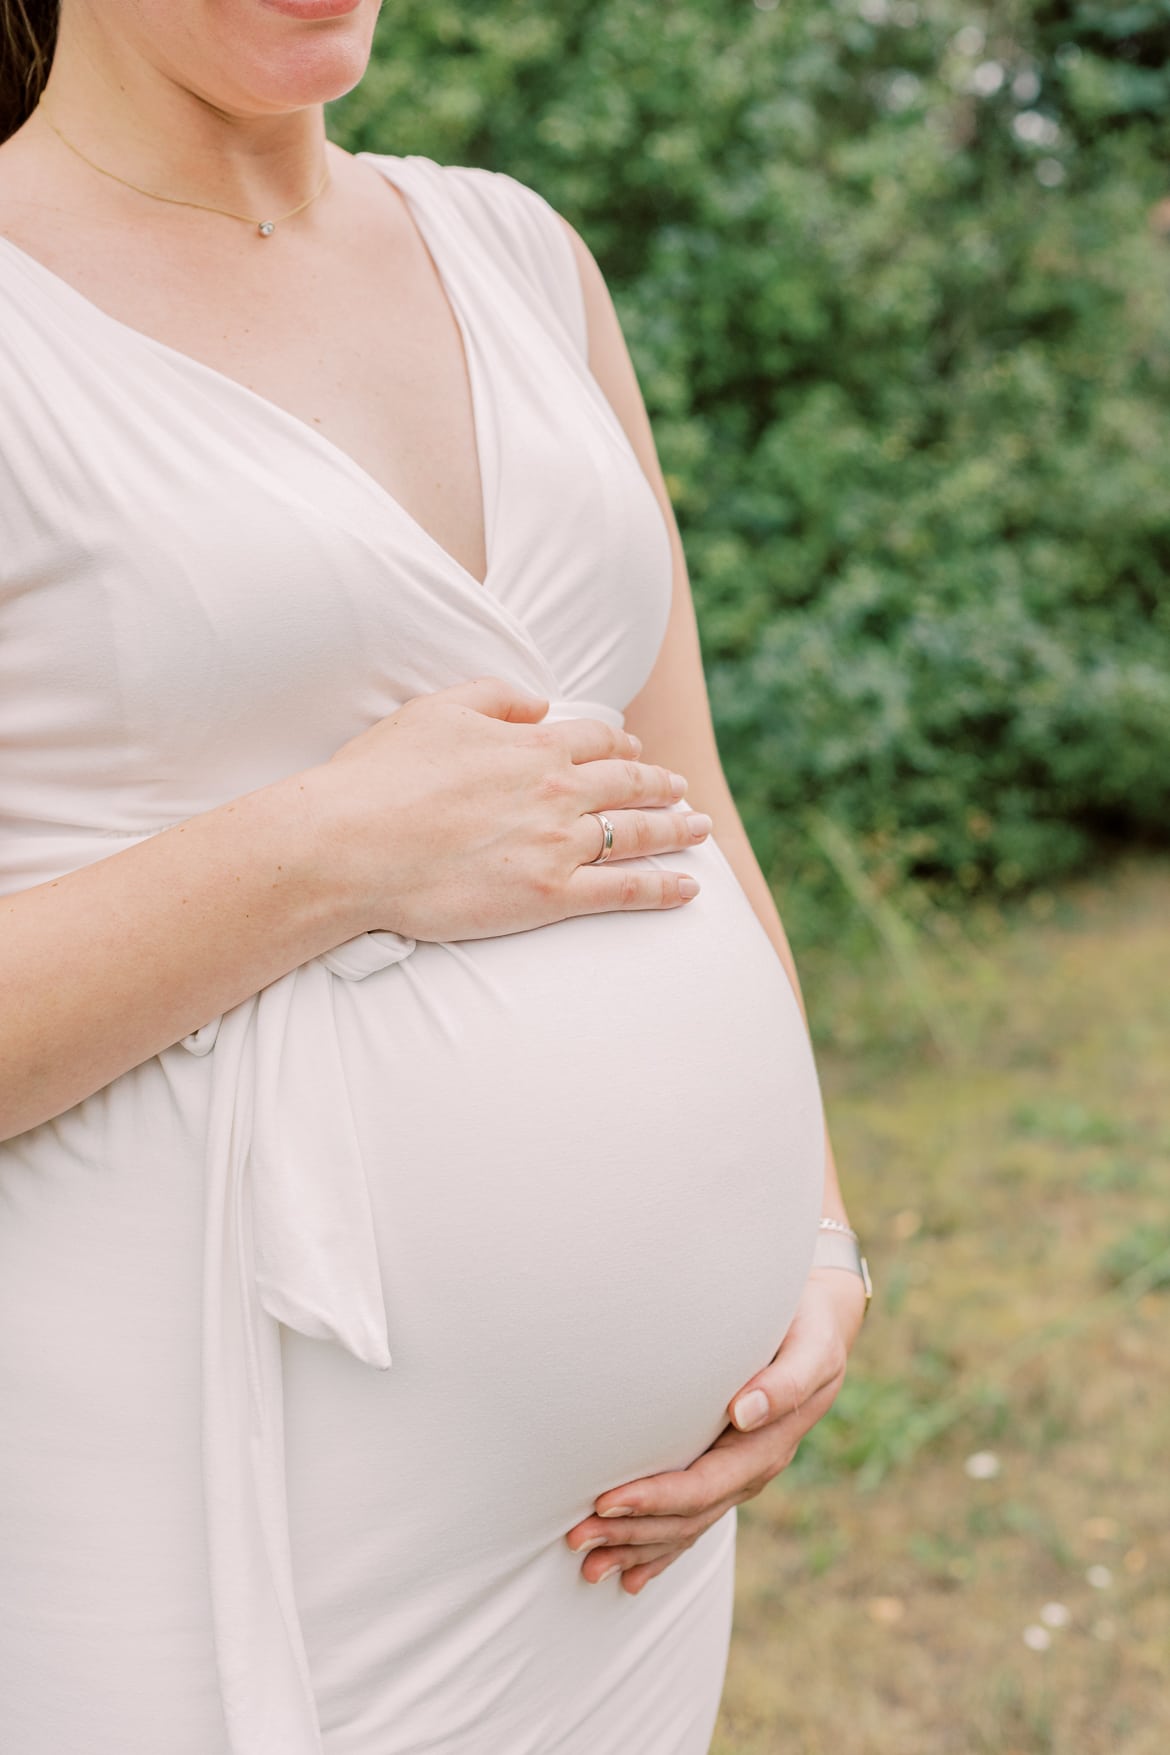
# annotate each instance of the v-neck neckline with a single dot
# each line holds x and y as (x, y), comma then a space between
(301, 429)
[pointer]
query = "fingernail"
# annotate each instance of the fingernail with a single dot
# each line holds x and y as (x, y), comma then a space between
(594, 1542)
(678, 784)
(636, 741)
(608, 1573)
(698, 824)
(618, 1511)
(750, 1410)
(687, 887)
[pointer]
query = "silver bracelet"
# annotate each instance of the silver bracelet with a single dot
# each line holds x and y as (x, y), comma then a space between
(838, 1246)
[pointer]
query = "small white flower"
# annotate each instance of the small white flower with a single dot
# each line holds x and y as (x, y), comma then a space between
(1050, 172)
(987, 78)
(984, 1465)
(1026, 85)
(1099, 1577)
(874, 11)
(1037, 1638)
(970, 40)
(1055, 1615)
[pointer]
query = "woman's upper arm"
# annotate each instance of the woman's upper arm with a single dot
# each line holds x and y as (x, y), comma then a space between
(671, 713)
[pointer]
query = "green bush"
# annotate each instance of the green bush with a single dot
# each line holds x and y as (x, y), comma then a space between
(888, 275)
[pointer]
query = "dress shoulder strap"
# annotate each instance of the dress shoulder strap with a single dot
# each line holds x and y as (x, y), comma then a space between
(526, 231)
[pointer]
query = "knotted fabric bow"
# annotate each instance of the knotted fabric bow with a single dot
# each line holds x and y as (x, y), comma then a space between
(289, 1238)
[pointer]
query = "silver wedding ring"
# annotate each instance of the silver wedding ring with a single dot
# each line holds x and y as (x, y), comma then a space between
(607, 832)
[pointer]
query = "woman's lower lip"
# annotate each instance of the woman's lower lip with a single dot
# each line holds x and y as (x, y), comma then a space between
(312, 9)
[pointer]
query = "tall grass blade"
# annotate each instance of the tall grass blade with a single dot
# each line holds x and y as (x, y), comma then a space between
(892, 927)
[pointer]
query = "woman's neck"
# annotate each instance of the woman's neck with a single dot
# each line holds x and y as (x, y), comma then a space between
(142, 122)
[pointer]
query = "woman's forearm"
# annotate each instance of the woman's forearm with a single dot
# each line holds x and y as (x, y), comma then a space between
(108, 965)
(450, 818)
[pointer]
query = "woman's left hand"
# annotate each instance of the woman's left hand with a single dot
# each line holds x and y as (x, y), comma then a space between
(645, 1525)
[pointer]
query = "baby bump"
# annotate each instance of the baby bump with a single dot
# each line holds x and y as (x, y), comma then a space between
(594, 1154)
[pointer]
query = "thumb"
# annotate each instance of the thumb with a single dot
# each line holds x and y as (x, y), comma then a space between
(499, 699)
(778, 1391)
(812, 1360)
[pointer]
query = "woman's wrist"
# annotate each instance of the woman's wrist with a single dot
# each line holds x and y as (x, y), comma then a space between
(849, 1300)
(838, 1249)
(320, 843)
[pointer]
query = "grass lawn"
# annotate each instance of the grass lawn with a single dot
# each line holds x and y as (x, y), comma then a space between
(1009, 1169)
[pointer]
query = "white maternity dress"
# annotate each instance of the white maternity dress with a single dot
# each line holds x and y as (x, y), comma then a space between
(320, 1328)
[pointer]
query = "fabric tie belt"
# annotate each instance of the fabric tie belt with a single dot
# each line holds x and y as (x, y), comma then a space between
(288, 1238)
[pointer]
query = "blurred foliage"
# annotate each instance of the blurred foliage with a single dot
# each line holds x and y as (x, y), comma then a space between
(1142, 1248)
(893, 281)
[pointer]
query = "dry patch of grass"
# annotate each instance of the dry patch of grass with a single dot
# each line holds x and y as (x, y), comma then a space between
(897, 1597)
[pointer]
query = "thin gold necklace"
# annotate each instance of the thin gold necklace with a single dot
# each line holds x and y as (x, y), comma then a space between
(264, 227)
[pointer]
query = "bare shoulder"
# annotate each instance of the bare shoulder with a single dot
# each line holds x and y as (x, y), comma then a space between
(609, 358)
(597, 296)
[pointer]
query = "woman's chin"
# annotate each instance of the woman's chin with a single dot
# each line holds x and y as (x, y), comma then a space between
(268, 57)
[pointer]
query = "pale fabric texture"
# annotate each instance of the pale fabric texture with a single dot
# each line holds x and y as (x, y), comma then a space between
(566, 1180)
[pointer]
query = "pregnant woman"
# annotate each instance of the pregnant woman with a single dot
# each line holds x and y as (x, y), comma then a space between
(412, 1153)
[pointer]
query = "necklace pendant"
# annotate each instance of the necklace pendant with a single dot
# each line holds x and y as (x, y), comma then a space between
(266, 228)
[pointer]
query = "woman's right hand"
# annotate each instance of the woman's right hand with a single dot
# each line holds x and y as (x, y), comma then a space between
(461, 816)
